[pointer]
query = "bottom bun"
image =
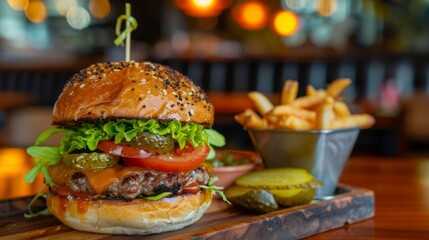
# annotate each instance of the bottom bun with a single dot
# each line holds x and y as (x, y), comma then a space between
(135, 217)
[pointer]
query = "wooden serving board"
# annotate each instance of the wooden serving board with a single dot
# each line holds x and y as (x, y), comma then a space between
(221, 221)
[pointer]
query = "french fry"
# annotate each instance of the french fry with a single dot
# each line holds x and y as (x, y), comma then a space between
(321, 92)
(325, 114)
(272, 119)
(294, 123)
(293, 111)
(250, 119)
(318, 109)
(341, 110)
(262, 103)
(308, 101)
(337, 86)
(310, 90)
(363, 120)
(289, 92)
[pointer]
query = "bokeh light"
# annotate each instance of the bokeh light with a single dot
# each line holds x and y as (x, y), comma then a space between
(78, 18)
(202, 8)
(285, 23)
(203, 3)
(251, 15)
(63, 6)
(99, 8)
(295, 5)
(326, 8)
(18, 4)
(36, 11)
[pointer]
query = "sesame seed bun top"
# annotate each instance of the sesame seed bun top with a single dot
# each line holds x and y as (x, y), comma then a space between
(131, 90)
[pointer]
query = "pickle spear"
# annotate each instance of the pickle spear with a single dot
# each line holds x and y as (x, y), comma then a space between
(278, 178)
(257, 200)
(92, 160)
(293, 197)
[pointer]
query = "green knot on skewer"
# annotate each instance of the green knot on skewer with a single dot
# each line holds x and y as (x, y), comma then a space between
(131, 25)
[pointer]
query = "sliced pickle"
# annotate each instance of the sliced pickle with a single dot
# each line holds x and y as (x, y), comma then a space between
(90, 160)
(257, 200)
(279, 178)
(152, 142)
(293, 197)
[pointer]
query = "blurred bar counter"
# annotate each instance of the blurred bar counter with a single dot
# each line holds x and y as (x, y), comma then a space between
(227, 81)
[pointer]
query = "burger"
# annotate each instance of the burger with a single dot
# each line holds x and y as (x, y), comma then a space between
(131, 159)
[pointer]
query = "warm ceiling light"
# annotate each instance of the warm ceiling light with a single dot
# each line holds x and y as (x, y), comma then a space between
(326, 8)
(285, 23)
(18, 4)
(202, 8)
(203, 3)
(99, 8)
(36, 11)
(251, 15)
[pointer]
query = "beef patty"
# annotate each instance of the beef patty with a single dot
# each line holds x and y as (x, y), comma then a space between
(139, 182)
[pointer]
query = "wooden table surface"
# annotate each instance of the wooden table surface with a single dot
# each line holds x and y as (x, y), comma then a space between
(401, 187)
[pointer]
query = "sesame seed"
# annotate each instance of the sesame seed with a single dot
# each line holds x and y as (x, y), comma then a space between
(71, 93)
(148, 91)
(143, 81)
(92, 77)
(164, 92)
(82, 85)
(174, 93)
(116, 70)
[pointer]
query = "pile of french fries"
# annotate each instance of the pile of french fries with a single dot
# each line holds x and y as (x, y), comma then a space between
(318, 109)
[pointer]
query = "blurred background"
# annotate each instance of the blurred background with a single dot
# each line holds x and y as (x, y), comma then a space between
(228, 47)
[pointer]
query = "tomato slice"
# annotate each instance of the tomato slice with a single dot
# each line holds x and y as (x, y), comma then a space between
(122, 150)
(181, 160)
(172, 162)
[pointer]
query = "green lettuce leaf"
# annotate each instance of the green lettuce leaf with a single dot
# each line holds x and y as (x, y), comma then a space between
(87, 136)
(215, 138)
(30, 213)
(156, 197)
(215, 189)
(43, 158)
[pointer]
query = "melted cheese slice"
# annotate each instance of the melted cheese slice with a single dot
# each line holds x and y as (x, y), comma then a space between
(99, 179)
